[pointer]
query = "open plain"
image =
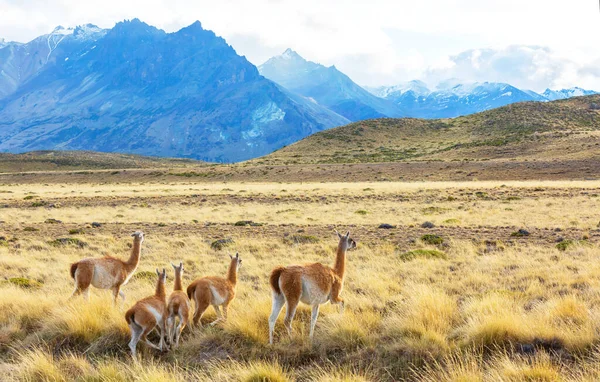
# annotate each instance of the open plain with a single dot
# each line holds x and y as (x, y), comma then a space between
(480, 280)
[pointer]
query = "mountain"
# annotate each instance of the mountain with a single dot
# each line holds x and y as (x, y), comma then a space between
(416, 87)
(452, 98)
(327, 86)
(20, 62)
(136, 89)
(556, 131)
(552, 95)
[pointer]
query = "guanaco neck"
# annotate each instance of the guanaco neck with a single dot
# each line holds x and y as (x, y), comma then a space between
(134, 258)
(232, 272)
(160, 289)
(340, 261)
(177, 285)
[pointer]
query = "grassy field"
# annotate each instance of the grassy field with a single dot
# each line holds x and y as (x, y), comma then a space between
(502, 283)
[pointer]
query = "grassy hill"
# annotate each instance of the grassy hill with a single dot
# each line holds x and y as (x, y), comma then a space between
(84, 160)
(566, 129)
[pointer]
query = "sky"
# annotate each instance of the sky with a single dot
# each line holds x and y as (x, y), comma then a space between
(532, 44)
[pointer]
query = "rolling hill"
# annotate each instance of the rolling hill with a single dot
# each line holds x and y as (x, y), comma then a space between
(85, 160)
(560, 130)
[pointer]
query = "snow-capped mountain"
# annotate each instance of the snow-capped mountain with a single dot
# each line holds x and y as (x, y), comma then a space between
(327, 86)
(552, 95)
(19, 62)
(418, 88)
(451, 98)
(136, 89)
(4, 43)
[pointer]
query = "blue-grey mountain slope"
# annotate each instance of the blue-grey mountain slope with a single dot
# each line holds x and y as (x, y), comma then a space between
(137, 89)
(327, 86)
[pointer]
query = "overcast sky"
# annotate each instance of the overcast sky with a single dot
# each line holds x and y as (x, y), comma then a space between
(533, 44)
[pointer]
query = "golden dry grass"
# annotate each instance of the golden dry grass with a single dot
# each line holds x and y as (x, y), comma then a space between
(517, 310)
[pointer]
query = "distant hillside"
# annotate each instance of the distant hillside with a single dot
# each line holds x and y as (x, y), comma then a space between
(327, 86)
(560, 130)
(84, 160)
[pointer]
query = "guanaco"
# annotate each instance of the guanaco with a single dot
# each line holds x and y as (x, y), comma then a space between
(215, 291)
(107, 272)
(313, 284)
(177, 307)
(147, 314)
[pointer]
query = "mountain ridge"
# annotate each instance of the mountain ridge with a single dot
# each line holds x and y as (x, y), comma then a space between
(137, 89)
(326, 85)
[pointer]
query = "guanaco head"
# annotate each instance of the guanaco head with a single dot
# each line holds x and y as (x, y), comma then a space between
(236, 260)
(162, 276)
(178, 268)
(138, 236)
(346, 242)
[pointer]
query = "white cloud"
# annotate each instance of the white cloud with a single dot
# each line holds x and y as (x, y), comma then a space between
(374, 41)
(528, 67)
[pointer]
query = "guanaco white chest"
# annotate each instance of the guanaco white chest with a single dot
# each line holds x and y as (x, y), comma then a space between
(103, 278)
(312, 293)
(217, 298)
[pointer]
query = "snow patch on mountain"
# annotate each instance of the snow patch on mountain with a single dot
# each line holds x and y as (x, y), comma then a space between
(553, 95)
(268, 113)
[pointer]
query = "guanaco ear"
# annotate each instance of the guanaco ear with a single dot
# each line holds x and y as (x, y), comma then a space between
(337, 233)
(164, 273)
(181, 265)
(157, 272)
(174, 266)
(230, 257)
(237, 255)
(347, 234)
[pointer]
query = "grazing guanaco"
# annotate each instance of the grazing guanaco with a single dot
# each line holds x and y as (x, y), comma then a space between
(313, 284)
(177, 307)
(148, 313)
(107, 272)
(215, 291)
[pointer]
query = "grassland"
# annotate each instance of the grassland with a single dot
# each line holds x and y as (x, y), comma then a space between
(502, 285)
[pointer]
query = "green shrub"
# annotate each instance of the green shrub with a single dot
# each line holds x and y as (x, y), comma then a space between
(243, 223)
(145, 276)
(520, 233)
(361, 212)
(40, 203)
(218, 245)
(24, 283)
(433, 210)
(30, 229)
(422, 253)
(566, 244)
(432, 239)
(65, 241)
(76, 231)
(301, 239)
(451, 221)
